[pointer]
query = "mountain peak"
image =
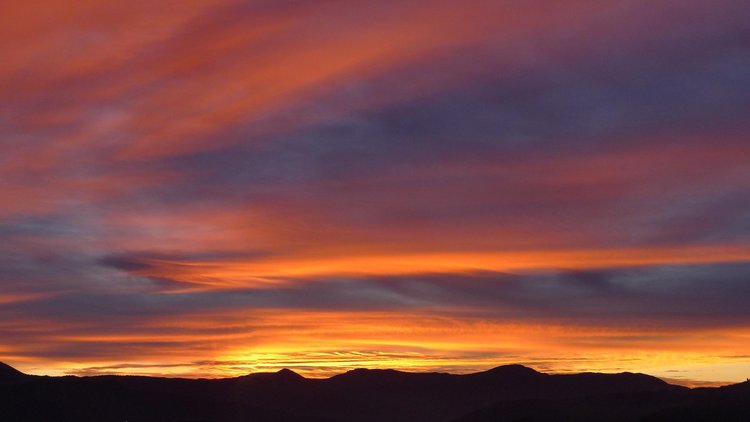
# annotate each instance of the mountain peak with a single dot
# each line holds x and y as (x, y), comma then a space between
(288, 374)
(9, 373)
(284, 375)
(512, 370)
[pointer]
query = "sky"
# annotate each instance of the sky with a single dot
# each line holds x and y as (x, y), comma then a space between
(210, 188)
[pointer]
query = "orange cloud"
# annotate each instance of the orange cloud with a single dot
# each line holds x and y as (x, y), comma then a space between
(209, 188)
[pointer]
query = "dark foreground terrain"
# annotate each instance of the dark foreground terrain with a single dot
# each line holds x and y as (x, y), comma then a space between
(506, 393)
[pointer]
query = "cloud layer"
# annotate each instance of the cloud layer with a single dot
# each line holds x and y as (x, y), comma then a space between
(309, 182)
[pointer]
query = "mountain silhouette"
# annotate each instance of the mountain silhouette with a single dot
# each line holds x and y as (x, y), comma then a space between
(505, 393)
(9, 374)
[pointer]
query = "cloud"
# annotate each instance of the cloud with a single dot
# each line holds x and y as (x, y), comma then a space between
(224, 175)
(679, 295)
(686, 295)
(598, 317)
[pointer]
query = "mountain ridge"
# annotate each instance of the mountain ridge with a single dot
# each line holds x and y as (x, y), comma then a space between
(10, 374)
(507, 392)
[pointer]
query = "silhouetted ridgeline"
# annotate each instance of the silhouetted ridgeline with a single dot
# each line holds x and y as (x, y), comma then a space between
(506, 393)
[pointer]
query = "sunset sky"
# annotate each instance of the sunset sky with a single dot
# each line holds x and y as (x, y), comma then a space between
(208, 188)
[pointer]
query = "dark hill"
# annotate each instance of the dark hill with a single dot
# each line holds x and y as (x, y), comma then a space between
(509, 393)
(9, 374)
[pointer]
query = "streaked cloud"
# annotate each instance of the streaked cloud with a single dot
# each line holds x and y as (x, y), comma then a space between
(214, 185)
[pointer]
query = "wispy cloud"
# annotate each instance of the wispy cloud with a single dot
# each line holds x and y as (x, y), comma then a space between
(171, 173)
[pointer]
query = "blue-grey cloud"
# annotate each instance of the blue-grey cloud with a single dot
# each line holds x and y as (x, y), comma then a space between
(683, 295)
(677, 297)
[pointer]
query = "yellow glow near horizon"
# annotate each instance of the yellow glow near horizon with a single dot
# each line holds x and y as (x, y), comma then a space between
(322, 344)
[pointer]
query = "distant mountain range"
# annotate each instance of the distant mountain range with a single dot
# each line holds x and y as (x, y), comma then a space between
(506, 393)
